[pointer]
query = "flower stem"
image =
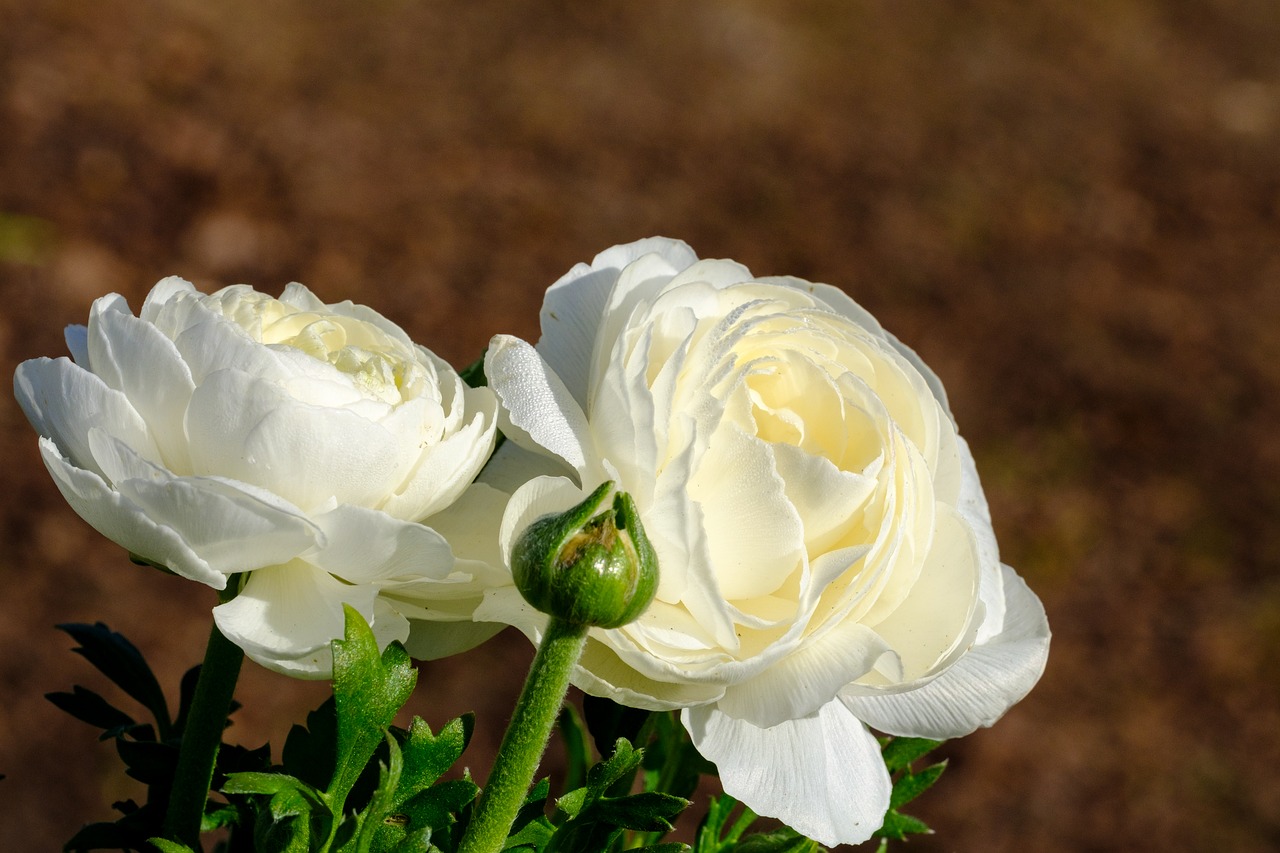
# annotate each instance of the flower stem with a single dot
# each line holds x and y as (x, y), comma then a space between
(201, 738)
(526, 737)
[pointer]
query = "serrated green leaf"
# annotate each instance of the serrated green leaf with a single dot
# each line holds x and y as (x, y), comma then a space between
(437, 806)
(234, 758)
(369, 689)
(568, 806)
(583, 837)
(89, 707)
(607, 721)
(665, 847)
(119, 660)
(427, 757)
(219, 816)
(899, 752)
(264, 783)
(534, 809)
(578, 759)
(708, 838)
(672, 764)
(650, 811)
(150, 762)
(898, 826)
(99, 836)
(373, 828)
(911, 785)
(289, 803)
(784, 840)
(290, 835)
(624, 760)
(308, 752)
(164, 845)
(533, 835)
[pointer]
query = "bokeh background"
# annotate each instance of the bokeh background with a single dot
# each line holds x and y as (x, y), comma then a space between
(1070, 208)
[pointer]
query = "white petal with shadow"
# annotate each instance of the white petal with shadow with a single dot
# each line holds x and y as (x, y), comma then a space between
(822, 775)
(977, 689)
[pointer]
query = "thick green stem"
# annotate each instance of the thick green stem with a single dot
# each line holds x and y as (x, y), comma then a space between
(201, 738)
(526, 738)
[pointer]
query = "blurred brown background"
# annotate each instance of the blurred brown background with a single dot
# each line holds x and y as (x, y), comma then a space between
(1069, 208)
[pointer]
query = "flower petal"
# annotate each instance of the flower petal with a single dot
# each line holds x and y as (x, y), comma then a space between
(123, 522)
(822, 775)
(938, 617)
(538, 412)
(63, 400)
(973, 508)
(756, 537)
(808, 678)
(448, 467)
(231, 528)
(286, 616)
(366, 545)
(247, 429)
(77, 338)
(431, 640)
(977, 689)
(132, 356)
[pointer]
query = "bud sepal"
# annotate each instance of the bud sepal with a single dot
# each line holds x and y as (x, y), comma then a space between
(587, 566)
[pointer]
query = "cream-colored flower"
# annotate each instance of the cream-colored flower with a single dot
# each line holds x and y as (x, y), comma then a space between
(235, 432)
(825, 552)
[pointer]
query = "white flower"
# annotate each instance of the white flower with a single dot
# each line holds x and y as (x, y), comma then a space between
(233, 432)
(826, 556)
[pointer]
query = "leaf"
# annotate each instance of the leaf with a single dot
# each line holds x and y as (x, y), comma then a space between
(100, 836)
(473, 373)
(667, 847)
(119, 660)
(164, 845)
(89, 707)
(672, 764)
(624, 760)
(187, 695)
(650, 811)
(607, 721)
(578, 758)
(784, 840)
(427, 757)
(899, 752)
(369, 689)
(571, 803)
(308, 752)
(709, 830)
(436, 806)
(265, 783)
(534, 809)
(912, 785)
(898, 826)
(150, 762)
(372, 824)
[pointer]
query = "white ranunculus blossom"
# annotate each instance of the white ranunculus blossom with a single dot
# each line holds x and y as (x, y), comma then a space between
(234, 432)
(826, 556)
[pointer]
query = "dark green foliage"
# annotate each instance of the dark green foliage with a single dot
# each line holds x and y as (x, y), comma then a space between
(149, 750)
(899, 753)
(351, 782)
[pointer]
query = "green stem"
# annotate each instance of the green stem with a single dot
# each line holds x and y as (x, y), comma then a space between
(526, 737)
(201, 738)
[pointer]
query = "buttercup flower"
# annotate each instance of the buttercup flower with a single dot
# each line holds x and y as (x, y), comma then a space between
(233, 432)
(826, 557)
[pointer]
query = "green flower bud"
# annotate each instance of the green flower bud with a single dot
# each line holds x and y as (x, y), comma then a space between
(585, 568)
